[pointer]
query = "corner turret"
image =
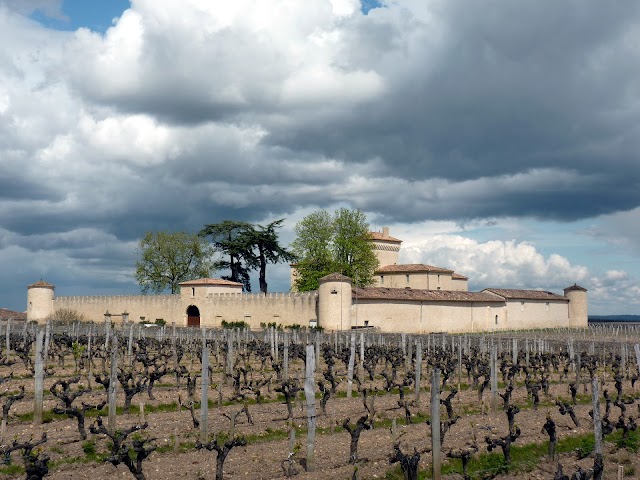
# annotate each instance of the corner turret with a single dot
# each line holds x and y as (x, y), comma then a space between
(334, 302)
(40, 301)
(578, 307)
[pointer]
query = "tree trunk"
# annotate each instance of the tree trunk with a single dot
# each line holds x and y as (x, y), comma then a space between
(263, 269)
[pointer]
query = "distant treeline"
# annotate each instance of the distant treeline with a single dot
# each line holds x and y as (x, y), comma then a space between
(614, 318)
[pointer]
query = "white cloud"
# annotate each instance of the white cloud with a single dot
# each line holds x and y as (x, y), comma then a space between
(50, 8)
(614, 292)
(506, 264)
(433, 117)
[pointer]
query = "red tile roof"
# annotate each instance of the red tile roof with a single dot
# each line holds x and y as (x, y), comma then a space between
(379, 236)
(457, 276)
(335, 277)
(412, 267)
(211, 281)
(41, 283)
(409, 294)
(5, 314)
(575, 287)
(513, 294)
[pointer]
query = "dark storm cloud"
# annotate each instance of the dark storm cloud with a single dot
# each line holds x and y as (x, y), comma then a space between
(187, 114)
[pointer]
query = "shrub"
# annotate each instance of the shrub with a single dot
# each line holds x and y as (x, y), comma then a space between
(238, 324)
(67, 315)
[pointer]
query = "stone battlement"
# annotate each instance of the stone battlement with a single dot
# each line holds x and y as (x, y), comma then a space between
(260, 296)
(102, 298)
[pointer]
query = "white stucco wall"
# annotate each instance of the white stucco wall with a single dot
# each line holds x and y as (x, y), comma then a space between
(427, 317)
(530, 314)
(282, 308)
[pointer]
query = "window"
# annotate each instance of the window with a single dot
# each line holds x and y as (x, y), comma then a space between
(193, 292)
(381, 279)
(522, 306)
(407, 278)
(366, 323)
(496, 319)
(547, 306)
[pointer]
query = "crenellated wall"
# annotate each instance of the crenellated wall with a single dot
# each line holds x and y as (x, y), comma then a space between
(254, 309)
(332, 307)
(282, 308)
(151, 307)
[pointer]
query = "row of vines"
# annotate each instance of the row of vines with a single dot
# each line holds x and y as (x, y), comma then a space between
(84, 400)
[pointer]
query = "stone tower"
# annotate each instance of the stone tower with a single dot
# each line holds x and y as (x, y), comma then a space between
(334, 302)
(40, 300)
(385, 247)
(578, 309)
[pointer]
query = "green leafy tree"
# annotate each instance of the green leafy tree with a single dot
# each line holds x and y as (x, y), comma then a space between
(233, 240)
(168, 258)
(328, 243)
(247, 247)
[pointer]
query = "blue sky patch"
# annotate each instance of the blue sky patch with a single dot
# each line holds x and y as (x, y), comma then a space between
(97, 16)
(370, 5)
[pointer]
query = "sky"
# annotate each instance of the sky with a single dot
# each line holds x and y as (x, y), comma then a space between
(499, 139)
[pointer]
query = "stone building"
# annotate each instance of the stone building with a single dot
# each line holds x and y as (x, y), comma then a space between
(414, 298)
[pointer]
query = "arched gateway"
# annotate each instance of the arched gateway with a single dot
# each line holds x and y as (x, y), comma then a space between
(193, 316)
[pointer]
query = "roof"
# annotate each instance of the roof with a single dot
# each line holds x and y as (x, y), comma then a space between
(457, 276)
(335, 277)
(512, 294)
(42, 284)
(378, 236)
(575, 287)
(410, 294)
(5, 314)
(211, 281)
(412, 267)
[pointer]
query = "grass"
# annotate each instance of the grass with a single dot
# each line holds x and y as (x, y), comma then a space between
(525, 458)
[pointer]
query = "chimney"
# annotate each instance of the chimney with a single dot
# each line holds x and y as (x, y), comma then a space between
(385, 232)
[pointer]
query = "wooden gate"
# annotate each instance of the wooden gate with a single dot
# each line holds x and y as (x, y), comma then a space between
(193, 316)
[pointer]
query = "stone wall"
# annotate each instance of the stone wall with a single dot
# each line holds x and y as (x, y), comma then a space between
(147, 307)
(282, 308)
(428, 317)
(530, 314)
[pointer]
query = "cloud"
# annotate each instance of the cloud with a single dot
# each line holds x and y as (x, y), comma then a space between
(49, 8)
(498, 264)
(184, 113)
(614, 292)
(621, 230)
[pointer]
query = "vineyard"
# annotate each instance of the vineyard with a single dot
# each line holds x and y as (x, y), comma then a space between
(94, 401)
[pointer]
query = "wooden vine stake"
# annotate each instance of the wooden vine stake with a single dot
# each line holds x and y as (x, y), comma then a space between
(419, 369)
(636, 348)
(435, 423)
(494, 378)
(597, 425)
(204, 399)
(310, 396)
(113, 380)
(38, 377)
(352, 358)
